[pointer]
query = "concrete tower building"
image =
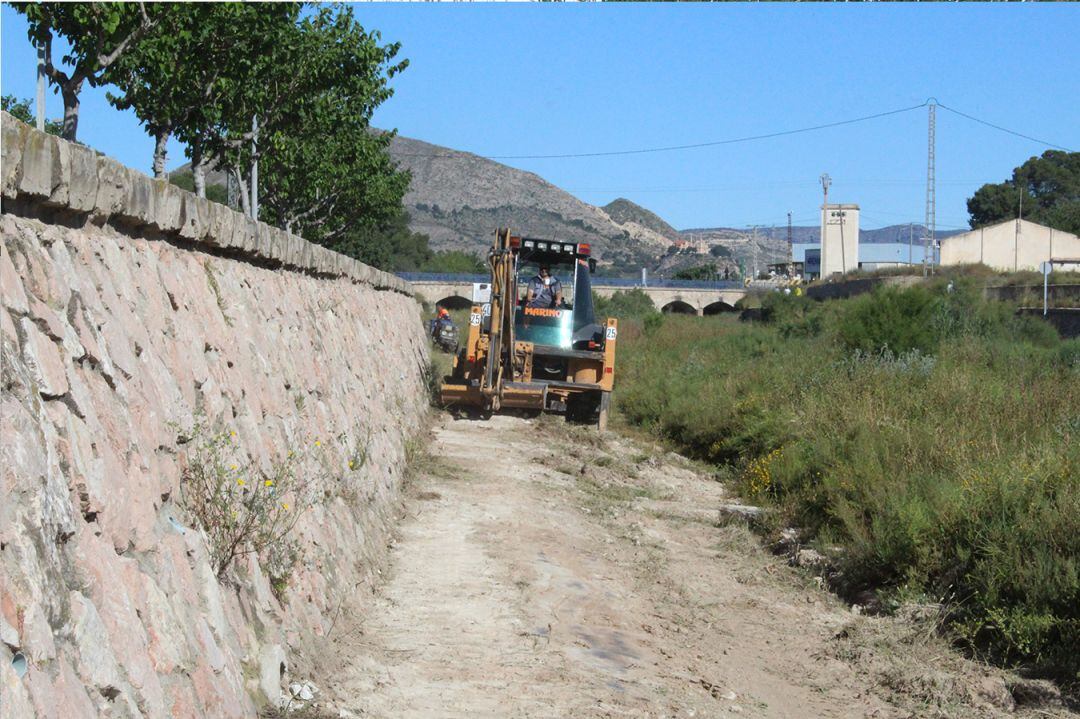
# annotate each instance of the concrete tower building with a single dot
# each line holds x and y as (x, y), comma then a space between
(839, 239)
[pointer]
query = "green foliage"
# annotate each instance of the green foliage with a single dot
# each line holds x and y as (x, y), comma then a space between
(190, 73)
(898, 320)
(700, 272)
(624, 304)
(325, 173)
(20, 110)
(949, 475)
(1049, 186)
(186, 181)
(98, 35)
(455, 261)
(389, 245)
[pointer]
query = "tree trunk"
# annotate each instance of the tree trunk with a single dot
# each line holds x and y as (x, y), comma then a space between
(198, 169)
(245, 197)
(70, 93)
(161, 140)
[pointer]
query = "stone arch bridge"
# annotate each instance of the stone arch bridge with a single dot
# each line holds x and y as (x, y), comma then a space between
(671, 296)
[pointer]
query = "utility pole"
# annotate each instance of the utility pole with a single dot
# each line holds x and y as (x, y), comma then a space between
(931, 191)
(254, 167)
(790, 246)
(1016, 234)
(825, 182)
(41, 87)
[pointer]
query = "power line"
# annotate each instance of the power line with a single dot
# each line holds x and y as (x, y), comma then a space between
(672, 148)
(1003, 129)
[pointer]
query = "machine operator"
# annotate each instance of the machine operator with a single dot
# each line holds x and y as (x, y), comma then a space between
(544, 290)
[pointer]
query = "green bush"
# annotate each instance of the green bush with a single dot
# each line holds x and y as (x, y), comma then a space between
(928, 440)
(624, 304)
(899, 320)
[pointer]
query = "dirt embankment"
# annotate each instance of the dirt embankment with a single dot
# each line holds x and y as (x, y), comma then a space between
(542, 571)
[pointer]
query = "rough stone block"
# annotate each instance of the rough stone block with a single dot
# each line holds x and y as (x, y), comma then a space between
(194, 216)
(216, 219)
(251, 236)
(13, 140)
(294, 250)
(263, 241)
(83, 179)
(112, 177)
(42, 357)
(166, 201)
(11, 285)
(36, 170)
(273, 667)
(61, 172)
(138, 203)
(279, 242)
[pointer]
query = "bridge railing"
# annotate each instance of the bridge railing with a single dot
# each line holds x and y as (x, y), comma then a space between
(620, 282)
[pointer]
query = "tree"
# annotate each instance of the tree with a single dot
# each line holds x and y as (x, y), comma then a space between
(20, 110)
(99, 34)
(700, 272)
(188, 75)
(387, 245)
(1047, 186)
(186, 181)
(624, 304)
(323, 172)
(455, 261)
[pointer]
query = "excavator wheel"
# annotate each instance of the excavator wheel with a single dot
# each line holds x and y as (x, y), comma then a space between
(605, 406)
(589, 409)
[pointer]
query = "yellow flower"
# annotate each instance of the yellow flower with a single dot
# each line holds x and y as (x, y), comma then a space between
(269, 483)
(240, 482)
(318, 443)
(350, 464)
(233, 467)
(284, 505)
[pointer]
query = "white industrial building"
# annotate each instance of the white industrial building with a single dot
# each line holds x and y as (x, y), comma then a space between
(1012, 245)
(839, 239)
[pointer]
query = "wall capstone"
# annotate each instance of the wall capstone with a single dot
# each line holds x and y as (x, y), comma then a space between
(44, 169)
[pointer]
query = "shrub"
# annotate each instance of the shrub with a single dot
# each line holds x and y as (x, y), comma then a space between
(900, 320)
(242, 509)
(624, 304)
(928, 439)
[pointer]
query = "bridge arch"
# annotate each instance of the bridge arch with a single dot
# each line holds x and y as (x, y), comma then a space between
(678, 307)
(455, 302)
(717, 308)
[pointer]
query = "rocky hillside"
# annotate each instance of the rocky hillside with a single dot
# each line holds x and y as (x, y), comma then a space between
(624, 211)
(458, 199)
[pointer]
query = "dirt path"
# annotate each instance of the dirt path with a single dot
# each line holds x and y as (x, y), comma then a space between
(542, 571)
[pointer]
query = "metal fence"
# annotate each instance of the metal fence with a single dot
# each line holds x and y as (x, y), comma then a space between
(619, 282)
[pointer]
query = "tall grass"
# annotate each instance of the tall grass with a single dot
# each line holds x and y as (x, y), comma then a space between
(927, 440)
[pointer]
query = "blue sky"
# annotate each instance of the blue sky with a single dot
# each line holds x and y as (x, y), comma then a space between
(499, 79)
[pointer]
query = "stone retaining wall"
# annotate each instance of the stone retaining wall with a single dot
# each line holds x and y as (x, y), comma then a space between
(132, 309)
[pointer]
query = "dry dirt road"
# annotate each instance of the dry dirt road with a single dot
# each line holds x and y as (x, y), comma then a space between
(547, 571)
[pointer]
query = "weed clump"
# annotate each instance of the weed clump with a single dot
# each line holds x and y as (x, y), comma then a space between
(241, 508)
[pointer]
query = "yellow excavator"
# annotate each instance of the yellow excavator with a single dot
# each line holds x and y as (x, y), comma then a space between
(534, 350)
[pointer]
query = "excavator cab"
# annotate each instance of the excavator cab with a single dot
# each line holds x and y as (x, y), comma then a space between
(555, 358)
(570, 322)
